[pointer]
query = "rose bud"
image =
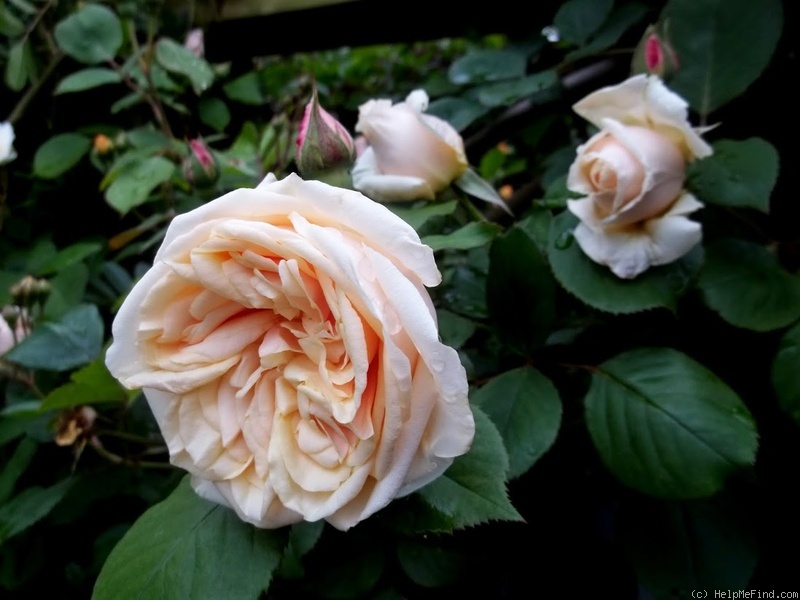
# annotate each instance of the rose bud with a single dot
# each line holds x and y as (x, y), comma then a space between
(7, 152)
(655, 55)
(14, 327)
(411, 155)
(74, 425)
(631, 174)
(200, 168)
(322, 143)
(195, 42)
(102, 144)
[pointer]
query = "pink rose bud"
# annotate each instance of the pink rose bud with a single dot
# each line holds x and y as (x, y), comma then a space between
(655, 55)
(200, 168)
(322, 143)
(195, 42)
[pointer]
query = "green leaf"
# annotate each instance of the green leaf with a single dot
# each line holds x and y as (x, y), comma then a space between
(91, 35)
(472, 490)
(214, 113)
(521, 292)
(10, 25)
(429, 566)
(74, 340)
(87, 79)
(526, 408)
(67, 290)
(744, 283)
(59, 154)
(32, 505)
(474, 185)
(92, 384)
(147, 138)
(174, 57)
(577, 20)
(471, 235)
(487, 65)
(69, 256)
(16, 74)
(666, 425)
(353, 576)
(136, 181)
(622, 18)
(246, 89)
(303, 537)
(597, 286)
(417, 216)
(739, 173)
(454, 329)
(25, 6)
(459, 112)
(505, 93)
(786, 374)
(722, 45)
(187, 547)
(679, 548)
(16, 465)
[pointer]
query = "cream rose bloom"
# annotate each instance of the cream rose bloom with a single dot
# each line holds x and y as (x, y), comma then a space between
(632, 173)
(14, 327)
(7, 152)
(411, 155)
(289, 351)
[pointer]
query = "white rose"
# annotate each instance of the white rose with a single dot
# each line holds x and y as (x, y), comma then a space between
(411, 155)
(7, 152)
(289, 351)
(632, 172)
(14, 327)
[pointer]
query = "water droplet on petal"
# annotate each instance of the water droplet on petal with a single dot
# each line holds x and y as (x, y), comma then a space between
(391, 318)
(437, 365)
(565, 240)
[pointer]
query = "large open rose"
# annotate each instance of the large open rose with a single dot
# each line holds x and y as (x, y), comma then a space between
(632, 173)
(289, 351)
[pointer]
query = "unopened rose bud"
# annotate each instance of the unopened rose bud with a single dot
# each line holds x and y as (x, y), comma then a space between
(655, 55)
(7, 152)
(74, 425)
(29, 290)
(195, 42)
(14, 327)
(102, 144)
(200, 168)
(323, 143)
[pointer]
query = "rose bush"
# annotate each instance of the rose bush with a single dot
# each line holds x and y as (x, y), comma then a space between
(289, 351)
(7, 152)
(632, 173)
(411, 155)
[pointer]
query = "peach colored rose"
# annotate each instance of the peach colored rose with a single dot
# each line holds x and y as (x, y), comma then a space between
(411, 155)
(632, 173)
(289, 351)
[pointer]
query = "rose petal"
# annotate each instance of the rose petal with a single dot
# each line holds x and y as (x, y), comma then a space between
(630, 251)
(644, 100)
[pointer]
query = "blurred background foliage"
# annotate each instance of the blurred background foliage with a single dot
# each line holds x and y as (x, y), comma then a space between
(105, 99)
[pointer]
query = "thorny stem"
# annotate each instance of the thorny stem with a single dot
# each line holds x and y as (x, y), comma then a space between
(151, 99)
